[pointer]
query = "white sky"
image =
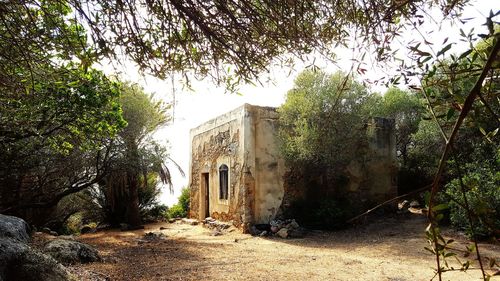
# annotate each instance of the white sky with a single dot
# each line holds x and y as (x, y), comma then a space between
(208, 101)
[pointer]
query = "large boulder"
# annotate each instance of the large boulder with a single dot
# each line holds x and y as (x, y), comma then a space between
(70, 252)
(15, 228)
(18, 261)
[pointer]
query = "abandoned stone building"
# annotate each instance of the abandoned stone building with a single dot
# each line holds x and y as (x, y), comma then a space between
(237, 174)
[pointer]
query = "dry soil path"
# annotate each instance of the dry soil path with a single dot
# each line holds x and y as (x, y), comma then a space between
(386, 249)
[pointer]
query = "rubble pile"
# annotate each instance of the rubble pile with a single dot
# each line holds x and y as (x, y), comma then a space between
(281, 228)
(216, 226)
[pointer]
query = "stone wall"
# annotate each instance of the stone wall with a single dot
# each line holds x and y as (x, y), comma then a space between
(373, 175)
(369, 178)
(214, 143)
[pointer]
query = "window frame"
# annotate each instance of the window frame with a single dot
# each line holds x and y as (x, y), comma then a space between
(223, 182)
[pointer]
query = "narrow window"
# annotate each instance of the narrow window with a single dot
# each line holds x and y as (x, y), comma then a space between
(223, 182)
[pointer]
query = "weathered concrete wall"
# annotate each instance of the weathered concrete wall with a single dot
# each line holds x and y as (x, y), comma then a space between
(270, 167)
(244, 140)
(382, 168)
(216, 142)
(369, 178)
(373, 175)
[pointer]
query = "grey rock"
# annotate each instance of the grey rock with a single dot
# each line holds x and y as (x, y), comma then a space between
(70, 252)
(414, 204)
(404, 205)
(18, 261)
(53, 233)
(216, 232)
(274, 229)
(46, 230)
(189, 221)
(263, 233)
(15, 228)
(254, 230)
(283, 233)
(208, 220)
(154, 236)
(293, 224)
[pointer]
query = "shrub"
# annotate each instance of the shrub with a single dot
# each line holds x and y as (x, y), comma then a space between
(184, 199)
(481, 182)
(155, 213)
(181, 209)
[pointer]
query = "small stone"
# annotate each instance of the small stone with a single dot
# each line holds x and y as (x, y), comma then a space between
(53, 233)
(414, 204)
(283, 233)
(263, 233)
(254, 230)
(293, 224)
(403, 205)
(46, 230)
(189, 221)
(274, 229)
(154, 236)
(216, 232)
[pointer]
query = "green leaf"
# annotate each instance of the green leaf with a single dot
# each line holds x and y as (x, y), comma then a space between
(444, 50)
(466, 53)
(450, 114)
(482, 131)
(439, 217)
(440, 207)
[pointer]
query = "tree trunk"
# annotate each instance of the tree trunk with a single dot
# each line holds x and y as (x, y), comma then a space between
(133, 216)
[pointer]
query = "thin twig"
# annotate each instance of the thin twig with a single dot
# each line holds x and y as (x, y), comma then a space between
(442, 162)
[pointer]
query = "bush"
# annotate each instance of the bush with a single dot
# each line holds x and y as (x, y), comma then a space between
(184, 199)
(155, 213)
(181, 209)
(481, 182)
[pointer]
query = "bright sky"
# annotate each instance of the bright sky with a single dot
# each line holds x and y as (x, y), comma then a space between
(208, 101)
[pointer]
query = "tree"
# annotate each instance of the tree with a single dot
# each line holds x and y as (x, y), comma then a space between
(321, 127)
(55, 115)
(139, 158)
(321, 118)
(406, 109)
(53, 137)
(204, 37)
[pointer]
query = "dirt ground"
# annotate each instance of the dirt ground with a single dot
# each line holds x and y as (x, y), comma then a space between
(385, 249)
